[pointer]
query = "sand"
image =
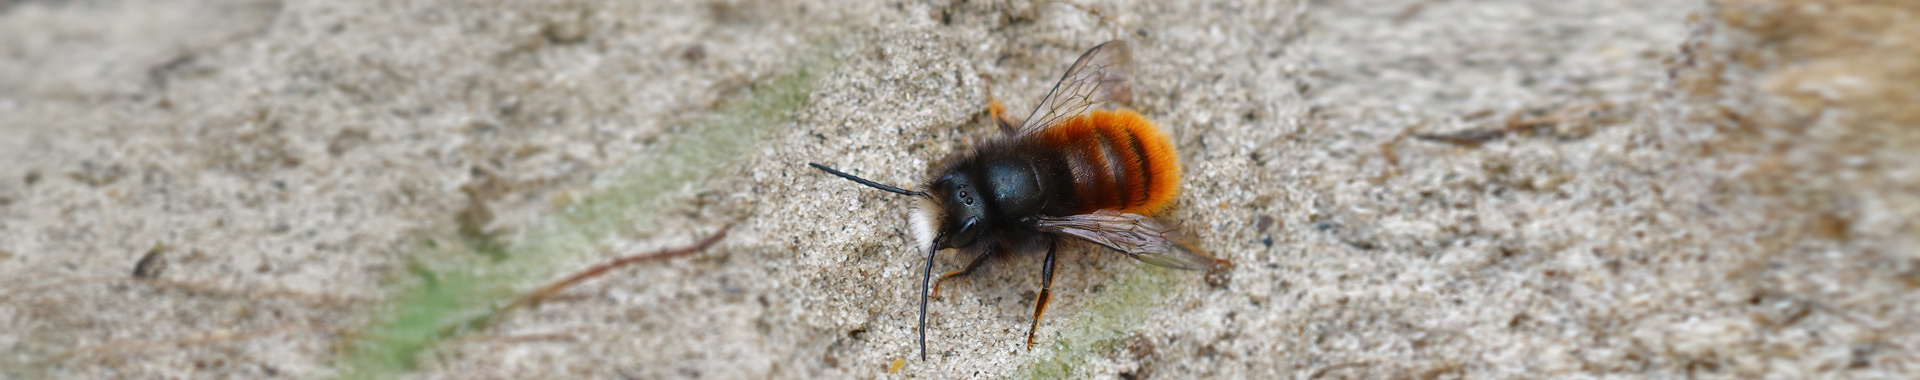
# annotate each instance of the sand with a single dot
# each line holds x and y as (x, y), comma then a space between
(1408, 189)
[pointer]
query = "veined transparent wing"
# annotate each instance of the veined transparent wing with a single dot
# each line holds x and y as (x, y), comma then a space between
(1103, 74)
(1136, 235)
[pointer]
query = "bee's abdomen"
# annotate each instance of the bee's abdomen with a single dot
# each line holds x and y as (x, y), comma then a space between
(1120, 161)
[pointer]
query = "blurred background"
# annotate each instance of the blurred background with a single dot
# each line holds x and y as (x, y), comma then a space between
(1408, 189)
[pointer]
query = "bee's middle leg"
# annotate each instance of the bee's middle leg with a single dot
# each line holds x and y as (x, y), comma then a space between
(977, 261)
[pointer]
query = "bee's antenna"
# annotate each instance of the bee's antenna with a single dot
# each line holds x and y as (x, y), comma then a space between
(925, 278)
(864, 181)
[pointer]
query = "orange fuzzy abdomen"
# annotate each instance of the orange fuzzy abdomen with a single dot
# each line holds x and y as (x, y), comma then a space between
(1120, 161)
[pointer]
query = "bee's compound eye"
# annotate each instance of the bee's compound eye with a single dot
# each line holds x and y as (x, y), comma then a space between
(969, 230)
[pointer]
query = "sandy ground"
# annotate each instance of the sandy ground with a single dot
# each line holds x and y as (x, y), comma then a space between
(1645, 195)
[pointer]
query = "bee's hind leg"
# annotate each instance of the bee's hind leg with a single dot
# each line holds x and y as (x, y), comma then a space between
(1046, 292)
(977, 261)
(999, 111)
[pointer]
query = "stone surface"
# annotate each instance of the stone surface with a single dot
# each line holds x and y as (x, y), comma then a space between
(1494, 189)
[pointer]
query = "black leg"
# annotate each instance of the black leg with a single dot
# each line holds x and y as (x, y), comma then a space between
(1046, 292)
(924, 278)
(982, 259)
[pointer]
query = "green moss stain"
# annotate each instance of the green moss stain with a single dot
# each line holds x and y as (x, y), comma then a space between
(1108, 318)
(454, 285)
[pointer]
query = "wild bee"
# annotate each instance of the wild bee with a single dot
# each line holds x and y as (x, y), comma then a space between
(1068, 170)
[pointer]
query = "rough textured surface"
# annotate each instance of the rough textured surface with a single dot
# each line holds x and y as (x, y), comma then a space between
(1492, 189)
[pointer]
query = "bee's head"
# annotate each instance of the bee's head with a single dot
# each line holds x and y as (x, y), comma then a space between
(963, 208)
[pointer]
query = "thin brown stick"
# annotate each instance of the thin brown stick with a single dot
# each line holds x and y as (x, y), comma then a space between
(535, 297)
(521, 338)
(1469, 138)
(1324, 370)
(1518, 123)
(596, 271)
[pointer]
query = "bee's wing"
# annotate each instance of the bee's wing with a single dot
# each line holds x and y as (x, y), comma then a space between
(1101, 75)
(1136, 235)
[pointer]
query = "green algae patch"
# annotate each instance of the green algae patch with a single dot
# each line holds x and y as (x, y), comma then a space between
(1107, 320)
(468, 276)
